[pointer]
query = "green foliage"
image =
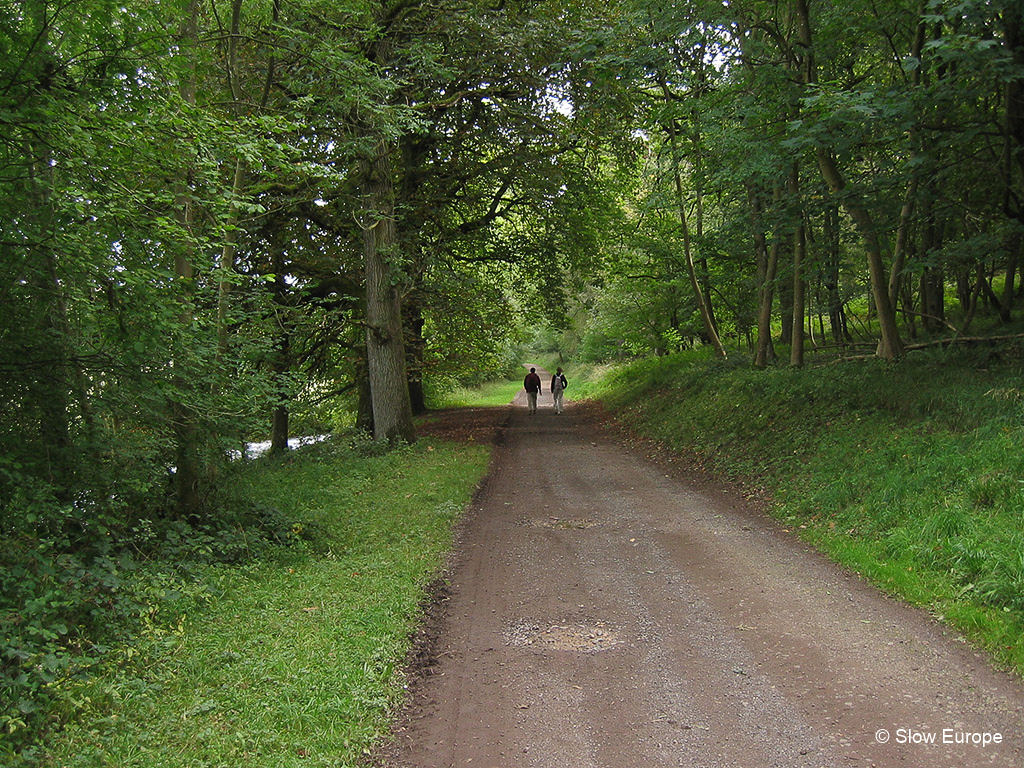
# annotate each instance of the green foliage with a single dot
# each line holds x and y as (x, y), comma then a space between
(76, 581)
(182, 256)
(292, 658)
(723, 94)
(908, 473)
(183, 226)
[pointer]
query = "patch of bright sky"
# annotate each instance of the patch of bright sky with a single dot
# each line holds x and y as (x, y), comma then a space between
(556, 100)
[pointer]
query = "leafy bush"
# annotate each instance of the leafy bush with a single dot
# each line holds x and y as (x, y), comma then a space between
(291, 658)
(78, 577)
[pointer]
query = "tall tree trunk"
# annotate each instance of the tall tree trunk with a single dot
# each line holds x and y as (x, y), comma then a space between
(890, 345)
(782, 243)
(279, 429)
(415, 351)
(933, 299)
(281, 362)
(767, 263)
(972, 298)
(964, 289)
(702, 305)
(54, 389)
(691, 270)
(1013, 26)
(796, 355)
(836, 312)
(933, 279)
(54, 392)
(385, 344)
(703, 272)
(896, 276)
(767, 258)
(1008, 298)
(186, 474)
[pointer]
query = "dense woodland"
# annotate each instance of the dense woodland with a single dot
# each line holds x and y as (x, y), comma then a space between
(225, 220)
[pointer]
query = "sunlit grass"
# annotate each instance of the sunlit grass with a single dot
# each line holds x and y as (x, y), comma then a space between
(490, 394)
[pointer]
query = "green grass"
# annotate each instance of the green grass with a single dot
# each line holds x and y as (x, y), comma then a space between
(294, 660)
(582, 379)
(910, 474)
(490, 394)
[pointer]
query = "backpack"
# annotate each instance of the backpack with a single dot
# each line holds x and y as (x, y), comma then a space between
(565, 381)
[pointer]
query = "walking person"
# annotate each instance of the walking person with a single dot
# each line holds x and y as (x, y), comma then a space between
(532, 384)
(558, 385)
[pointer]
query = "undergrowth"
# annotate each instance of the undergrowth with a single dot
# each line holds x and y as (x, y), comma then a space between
(285, 656)
(909, 473)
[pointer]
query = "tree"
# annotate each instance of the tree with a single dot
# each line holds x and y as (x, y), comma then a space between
(288, 195)
(385, 341)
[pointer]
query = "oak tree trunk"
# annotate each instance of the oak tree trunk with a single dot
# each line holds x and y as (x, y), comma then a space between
(385, 345)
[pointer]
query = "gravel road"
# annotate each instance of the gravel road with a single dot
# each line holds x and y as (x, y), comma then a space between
(604, 613)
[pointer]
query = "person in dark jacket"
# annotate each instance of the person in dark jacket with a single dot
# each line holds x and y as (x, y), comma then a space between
(532, 385)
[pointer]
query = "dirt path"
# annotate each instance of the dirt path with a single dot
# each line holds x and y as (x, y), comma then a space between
(603, 613)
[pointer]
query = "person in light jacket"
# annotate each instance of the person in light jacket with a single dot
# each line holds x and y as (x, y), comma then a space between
(558, 383)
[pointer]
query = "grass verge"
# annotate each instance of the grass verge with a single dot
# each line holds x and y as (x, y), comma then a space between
(489, 394)
(293, 660)
(910, 474)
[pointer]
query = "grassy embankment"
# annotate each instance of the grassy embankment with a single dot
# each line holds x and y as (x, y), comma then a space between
(292, 659)
(911, 474)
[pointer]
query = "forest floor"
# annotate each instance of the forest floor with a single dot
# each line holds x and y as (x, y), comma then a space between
(609, 605)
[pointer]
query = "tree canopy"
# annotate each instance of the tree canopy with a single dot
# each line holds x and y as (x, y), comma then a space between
(218, 215)
(223, 216)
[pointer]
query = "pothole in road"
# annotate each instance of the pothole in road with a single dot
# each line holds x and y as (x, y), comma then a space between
(561, 523)
(581, 638)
